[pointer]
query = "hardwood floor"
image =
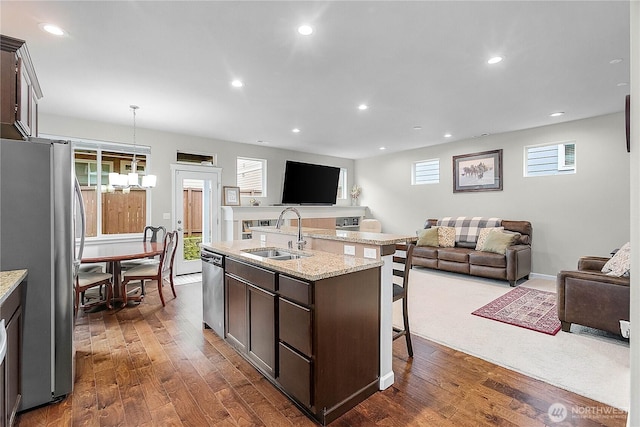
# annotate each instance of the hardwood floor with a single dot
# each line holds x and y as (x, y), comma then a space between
(151, 366)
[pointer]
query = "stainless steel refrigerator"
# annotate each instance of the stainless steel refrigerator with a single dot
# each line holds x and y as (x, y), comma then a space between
(37, 232)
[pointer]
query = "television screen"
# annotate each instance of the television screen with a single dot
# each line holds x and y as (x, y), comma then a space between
(309, 184)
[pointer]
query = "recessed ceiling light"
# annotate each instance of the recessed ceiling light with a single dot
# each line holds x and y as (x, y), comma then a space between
(615, 61)
(295, 130)
(417, 128)
(305, 30)
(494, 60)
(363, 107)
(52, 29)
(237, 83)
(383, 148)
(447, 135)
(557, 114)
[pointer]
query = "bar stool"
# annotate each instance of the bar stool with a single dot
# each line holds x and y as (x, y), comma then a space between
(401, 292)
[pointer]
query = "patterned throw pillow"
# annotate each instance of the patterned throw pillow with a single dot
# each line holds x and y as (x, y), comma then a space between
(482, 236)
(620, 263)
(446, 237)
(428, 237)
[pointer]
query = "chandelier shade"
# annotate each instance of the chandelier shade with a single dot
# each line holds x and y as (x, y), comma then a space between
(132, 179)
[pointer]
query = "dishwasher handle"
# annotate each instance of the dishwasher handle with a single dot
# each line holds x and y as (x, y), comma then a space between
(212, 258)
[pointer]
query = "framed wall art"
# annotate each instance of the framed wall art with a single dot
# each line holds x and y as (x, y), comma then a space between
(478, 172)
(231, 196)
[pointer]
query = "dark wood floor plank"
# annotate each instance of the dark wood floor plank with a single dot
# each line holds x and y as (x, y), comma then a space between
(148, 365)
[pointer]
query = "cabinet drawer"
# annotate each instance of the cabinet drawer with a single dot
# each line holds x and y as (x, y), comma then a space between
(295, 326)
(255, 275)
(295, 375)
(295, 289)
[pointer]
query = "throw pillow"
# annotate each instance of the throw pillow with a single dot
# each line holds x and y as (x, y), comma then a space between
(499, 241)
(428, 237)
(482, 236)
(620, 263)
(446, 237)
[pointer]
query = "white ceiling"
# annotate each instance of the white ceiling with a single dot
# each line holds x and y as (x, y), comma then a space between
(417, 63)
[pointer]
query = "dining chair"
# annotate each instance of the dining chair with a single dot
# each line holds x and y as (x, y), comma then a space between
(401, 292)
(168, 270)
(153, 233)
(149, 234)
(155, 270)
(88, 280)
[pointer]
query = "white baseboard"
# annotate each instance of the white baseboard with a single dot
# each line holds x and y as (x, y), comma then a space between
(386, 381)
(541, 276)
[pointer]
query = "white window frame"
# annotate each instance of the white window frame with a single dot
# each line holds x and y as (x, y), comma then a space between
(264, 175)
(562, 156)
(342, 184)
(415, 180)
(562, 167)
(99, 147)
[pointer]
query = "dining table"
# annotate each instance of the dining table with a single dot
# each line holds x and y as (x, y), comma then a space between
(113, 253)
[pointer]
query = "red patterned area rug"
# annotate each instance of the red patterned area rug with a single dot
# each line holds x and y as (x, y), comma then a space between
(524, 307)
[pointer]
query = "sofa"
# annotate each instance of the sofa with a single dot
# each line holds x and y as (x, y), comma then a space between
(512, 265)
(589, 297)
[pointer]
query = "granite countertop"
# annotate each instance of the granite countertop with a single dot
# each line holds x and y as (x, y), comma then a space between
(320, 265)
(380, 239)
(9, 280)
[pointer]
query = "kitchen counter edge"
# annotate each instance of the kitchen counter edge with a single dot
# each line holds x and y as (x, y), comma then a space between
(9, 281)
(320, 265)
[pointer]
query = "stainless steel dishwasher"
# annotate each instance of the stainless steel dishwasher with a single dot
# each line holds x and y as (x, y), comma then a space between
(213, 291)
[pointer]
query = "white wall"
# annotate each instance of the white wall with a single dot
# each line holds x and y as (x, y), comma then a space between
(164, 147)
(586, 213)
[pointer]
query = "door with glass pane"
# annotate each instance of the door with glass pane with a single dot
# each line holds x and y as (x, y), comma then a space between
(196, 206)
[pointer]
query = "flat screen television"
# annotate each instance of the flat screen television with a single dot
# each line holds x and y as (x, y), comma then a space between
(309, 184)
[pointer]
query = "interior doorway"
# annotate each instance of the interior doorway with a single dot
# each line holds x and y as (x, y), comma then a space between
(196, 207)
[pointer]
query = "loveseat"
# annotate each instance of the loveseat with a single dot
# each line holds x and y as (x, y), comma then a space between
(589, 297)
(513, 264)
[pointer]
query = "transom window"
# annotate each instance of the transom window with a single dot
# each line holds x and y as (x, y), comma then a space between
(550, 159)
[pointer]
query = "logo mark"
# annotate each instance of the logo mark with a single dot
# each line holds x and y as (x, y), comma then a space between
(557, 412)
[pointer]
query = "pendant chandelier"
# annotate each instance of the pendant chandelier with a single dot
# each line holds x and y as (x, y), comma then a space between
(127, 181)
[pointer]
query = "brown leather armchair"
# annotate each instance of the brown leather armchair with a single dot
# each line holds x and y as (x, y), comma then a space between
(590, 298)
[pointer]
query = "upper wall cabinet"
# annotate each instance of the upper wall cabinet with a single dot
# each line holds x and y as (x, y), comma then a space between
(20, 90)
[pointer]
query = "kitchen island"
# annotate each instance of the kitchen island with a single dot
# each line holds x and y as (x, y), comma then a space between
(379, 246)
(310, 324)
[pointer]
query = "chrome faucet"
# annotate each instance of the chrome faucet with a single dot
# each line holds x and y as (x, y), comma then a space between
(300, 242)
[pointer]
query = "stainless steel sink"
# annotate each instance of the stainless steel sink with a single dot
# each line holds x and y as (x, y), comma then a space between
(276, 254)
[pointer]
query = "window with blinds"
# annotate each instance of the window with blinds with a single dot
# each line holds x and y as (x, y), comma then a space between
(251, 177)
(425, 172)
(550, 159)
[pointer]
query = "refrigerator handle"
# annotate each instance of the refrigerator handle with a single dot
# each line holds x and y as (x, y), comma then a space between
(78, 192)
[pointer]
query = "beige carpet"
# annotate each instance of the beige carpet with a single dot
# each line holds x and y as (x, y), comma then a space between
(586, 361)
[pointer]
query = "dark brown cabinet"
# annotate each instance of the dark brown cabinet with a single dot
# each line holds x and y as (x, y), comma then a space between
(329, 338)
(19, 90)
(11, 312)
(318, 341)
(250, 311)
